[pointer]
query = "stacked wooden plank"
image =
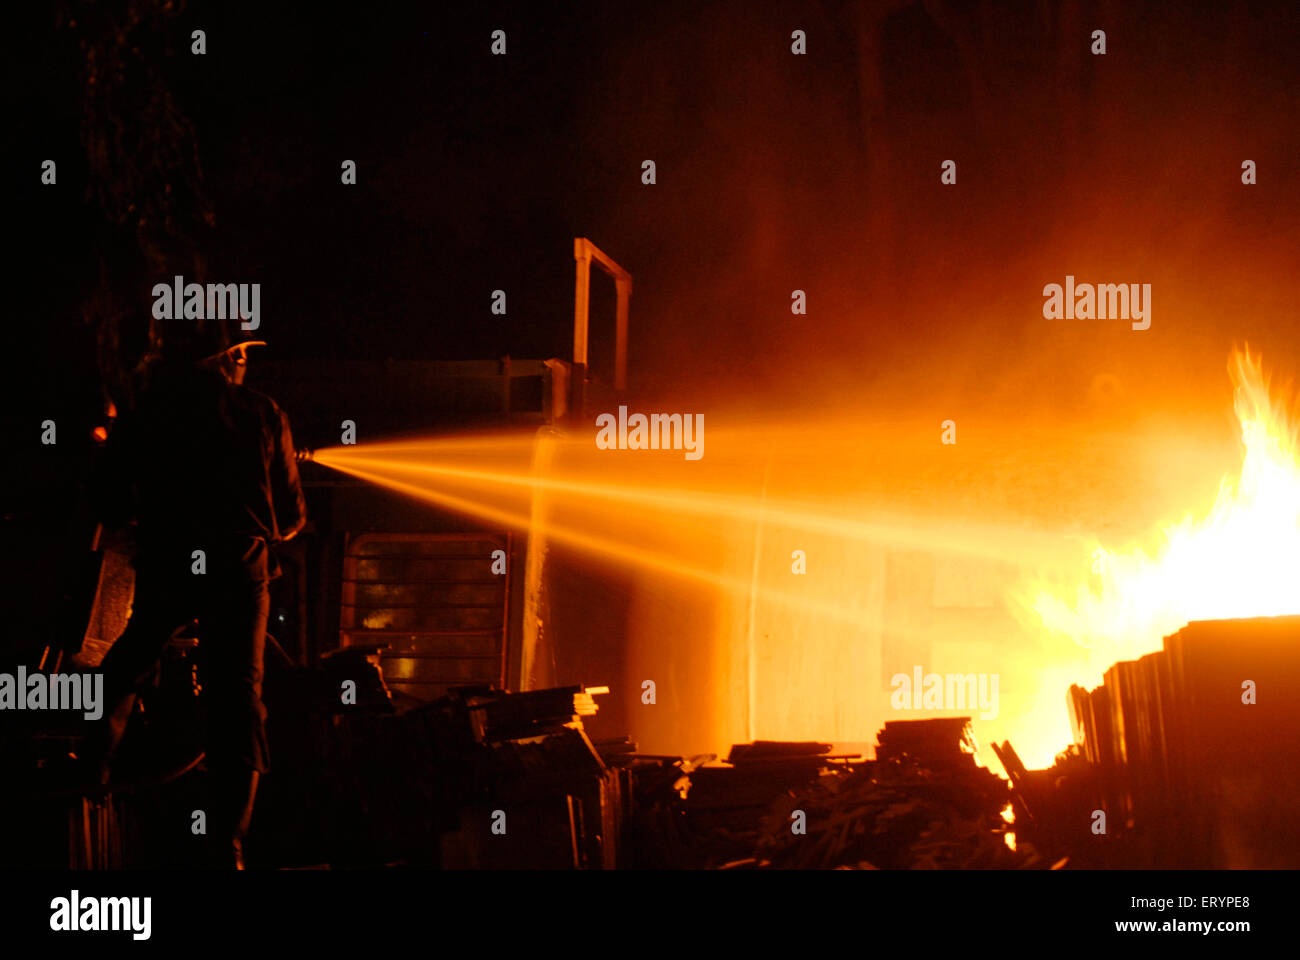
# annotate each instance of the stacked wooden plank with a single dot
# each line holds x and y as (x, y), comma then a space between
(496, 714)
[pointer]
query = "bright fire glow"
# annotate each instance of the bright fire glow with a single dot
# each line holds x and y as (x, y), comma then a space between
(1239, 559)
(783, 579)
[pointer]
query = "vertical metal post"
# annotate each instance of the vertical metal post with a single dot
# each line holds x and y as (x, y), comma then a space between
(581, 311)
(584, 252)
(624, 288)
(581, 300)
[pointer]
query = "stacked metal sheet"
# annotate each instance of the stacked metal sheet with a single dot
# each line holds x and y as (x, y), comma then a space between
(1196, 748)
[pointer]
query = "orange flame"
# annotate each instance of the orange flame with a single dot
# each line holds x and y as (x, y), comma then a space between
(1239, 559)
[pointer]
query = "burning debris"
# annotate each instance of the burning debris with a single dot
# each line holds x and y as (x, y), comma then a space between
(923, 804)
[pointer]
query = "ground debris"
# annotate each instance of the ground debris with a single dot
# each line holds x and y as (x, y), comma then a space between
(923, 804)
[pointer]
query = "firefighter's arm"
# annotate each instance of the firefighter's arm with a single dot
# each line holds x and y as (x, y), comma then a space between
(286, 489)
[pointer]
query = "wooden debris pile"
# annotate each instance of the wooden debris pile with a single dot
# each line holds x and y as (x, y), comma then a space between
(923, 804)
(720, 819)
(498, 715)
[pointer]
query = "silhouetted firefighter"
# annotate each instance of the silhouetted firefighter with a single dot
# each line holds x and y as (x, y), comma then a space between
(206, 467)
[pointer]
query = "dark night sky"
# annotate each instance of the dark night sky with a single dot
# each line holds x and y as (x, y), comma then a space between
(475, 173)
(775, 172)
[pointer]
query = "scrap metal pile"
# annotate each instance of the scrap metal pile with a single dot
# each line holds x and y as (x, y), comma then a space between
(431, 785)
(1191, 751)
(1189, 769)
